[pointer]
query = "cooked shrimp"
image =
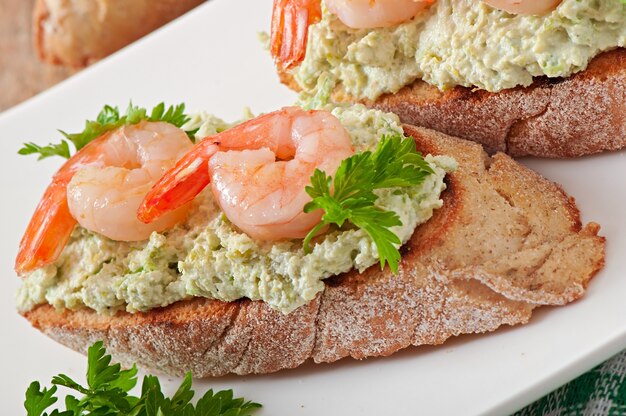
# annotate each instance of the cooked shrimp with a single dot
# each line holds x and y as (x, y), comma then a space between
(261, 195)
(291, 20)
(290, 28)
(532, 7)
(100, 187)
(370, 14)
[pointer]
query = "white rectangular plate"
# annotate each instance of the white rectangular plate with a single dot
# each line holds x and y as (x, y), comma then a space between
(212, 60)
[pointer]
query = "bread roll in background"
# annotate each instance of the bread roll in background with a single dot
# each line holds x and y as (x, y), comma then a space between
(22, 75)
(76, 33)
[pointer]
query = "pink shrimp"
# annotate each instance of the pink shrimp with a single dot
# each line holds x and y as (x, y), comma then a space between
(291, 20)
(370, 14)
(101, 187)
(261, 195)
(51, 225)
(530, 7)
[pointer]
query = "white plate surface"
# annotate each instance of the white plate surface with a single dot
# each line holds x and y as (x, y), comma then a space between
(211, 59)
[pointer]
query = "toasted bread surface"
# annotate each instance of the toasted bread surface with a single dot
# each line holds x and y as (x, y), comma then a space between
(559, 117)
(564, 117)
(76, 33)
(505, 241)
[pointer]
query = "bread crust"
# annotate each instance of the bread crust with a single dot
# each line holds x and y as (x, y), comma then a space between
(505, 241)
(76, 33)
(564, 117)
(554, 117)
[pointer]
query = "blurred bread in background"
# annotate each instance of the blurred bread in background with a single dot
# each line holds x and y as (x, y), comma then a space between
(22, 75)
(75, 33)
(71, 34)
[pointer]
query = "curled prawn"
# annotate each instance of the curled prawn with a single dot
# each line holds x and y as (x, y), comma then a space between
(100, 188)
(291, 20)
(261, 195)
(530, 7)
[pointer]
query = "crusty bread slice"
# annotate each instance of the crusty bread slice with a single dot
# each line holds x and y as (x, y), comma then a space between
(505, 241)
(76, 33)
(564, 117)
(559, 117)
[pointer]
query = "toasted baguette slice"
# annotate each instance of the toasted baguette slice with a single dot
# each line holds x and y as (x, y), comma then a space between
(558, 117)
(505, 241)
(76, 33)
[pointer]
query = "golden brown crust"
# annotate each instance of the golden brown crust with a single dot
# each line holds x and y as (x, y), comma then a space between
(76, 33)
(505, 241)
(562, 117)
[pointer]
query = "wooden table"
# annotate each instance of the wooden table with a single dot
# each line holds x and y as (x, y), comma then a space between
(21, 73)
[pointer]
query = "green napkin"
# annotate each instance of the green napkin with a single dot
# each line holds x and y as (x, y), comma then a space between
(599, 392)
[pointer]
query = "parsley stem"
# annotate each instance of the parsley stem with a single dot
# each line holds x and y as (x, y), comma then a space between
(310, 235)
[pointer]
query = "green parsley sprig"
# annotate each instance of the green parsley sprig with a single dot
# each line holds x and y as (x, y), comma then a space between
(107, 394)
(109, 119)
(350, 196)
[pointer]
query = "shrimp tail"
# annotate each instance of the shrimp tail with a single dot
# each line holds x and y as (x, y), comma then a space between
(55, 218)
(48, 231)
(52, 223)
(290, 27)
(179, 185)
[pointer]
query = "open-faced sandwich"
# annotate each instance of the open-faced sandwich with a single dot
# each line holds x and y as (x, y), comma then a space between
(529, 77)
(298, 234)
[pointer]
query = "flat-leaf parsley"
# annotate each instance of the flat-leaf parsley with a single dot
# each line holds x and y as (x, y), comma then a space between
(108, 119)
(107, 390)
(350, 196)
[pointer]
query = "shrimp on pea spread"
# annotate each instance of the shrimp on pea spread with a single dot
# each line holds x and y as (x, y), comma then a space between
(103, 185)
(100, 188)
(258, 172)
(291, 19)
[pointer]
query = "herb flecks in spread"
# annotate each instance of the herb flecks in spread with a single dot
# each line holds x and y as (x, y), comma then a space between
(107, 393)
(350, 196)
(462, 42)
(208, 256)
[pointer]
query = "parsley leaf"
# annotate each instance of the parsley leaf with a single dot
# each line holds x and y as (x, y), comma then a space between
(38, 400)
(61, 149)
(107, 394)
(350, 196)
(109, 119)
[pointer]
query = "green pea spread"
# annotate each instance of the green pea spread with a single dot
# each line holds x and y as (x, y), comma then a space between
(207, 256)
(462, 42)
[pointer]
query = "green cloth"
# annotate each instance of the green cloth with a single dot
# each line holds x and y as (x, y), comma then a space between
(599, 392)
